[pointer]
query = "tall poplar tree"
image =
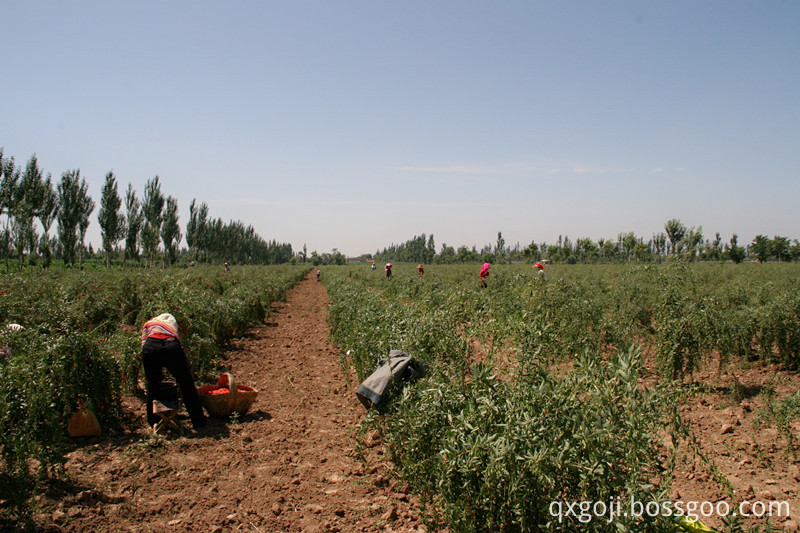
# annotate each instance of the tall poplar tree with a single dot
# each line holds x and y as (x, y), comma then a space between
(202, 238)
(152, 209)
(676, 231)
(25, 204)
(171, 231)
(69, 213)
(197, 228)
(9, 176)
(734, 252)
(133, 227)
(112, 222)
(86, 207)
(46, 212)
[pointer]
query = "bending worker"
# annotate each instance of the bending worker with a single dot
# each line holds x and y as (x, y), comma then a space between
(161, 348)
(540, 270)
(484, 275)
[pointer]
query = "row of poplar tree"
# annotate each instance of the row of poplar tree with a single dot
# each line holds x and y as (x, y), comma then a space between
(148, 228)
(676, 242)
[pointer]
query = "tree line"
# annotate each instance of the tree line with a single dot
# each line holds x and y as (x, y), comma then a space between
(212, 240)
(147, 233)
(676, 242)
(420, 249)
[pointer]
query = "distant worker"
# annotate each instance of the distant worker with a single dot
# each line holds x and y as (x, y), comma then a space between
(388, 269)
(540, 268)
(420, 270)
(484, 275)
(161, 348)
(318, 273)
(227, 267)
(373, 265)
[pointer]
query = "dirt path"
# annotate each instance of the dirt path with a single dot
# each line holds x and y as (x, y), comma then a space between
(293, 463)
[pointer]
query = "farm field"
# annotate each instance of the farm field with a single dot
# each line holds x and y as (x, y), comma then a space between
(289, 464)
(647, 383)
(659, 383)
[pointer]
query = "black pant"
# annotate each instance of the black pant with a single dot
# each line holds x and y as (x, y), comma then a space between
(158, 354)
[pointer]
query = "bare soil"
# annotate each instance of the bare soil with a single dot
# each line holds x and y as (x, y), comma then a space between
(727, 412)
(297, 462)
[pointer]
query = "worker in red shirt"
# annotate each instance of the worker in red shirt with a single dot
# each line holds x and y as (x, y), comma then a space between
(484, 275)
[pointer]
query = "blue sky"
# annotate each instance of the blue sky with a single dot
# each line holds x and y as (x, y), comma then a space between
(357, 124)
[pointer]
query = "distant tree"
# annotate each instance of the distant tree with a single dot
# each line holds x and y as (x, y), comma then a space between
(112, 222)
(338, 258)
(447, 255)
(203, 229)
(70, 212)
(500, 247)
(420, 249)
(8, 178)
(333, 258)
(216, 235)
(794, 250)
(780, 248)
(86, 207)
(733, 251)
(48, 206)
(8, 183)
(586, 250)
(629, 242)
(234, 242)
(608, 250)
(487, 254)
(191, 228)
(431, 250)
(641, 251)
(465, 255)
(134, 224)
(761, 247)
(693, 239)
(562, 251)
(171, 231)
(660, 244)
(197, 229)
(152, 209)
(531, 252)
(715, 252)
(675, 232)
(25, 205)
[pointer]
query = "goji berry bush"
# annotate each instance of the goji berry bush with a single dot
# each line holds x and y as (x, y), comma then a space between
(81, 341)
(535, 397)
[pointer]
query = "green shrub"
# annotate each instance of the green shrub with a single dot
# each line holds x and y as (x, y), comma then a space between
(44, 379)
(81, 341)
(497, 454)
